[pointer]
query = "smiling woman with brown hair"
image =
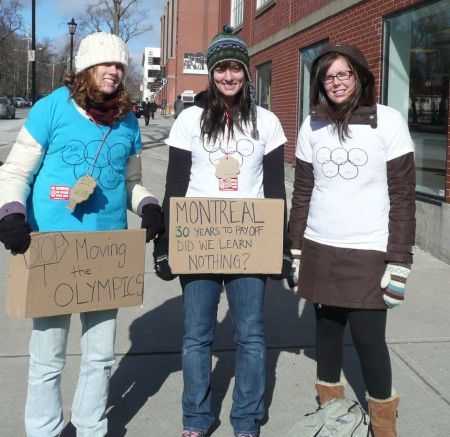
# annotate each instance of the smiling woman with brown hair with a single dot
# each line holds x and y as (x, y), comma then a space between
(76, 166)
(352, 223)
(86, 92)
(225, 146)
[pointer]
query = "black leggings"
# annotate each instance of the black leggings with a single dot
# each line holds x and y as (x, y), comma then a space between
(368, 332)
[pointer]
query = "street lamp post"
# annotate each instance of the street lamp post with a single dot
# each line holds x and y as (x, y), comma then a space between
(72, 29)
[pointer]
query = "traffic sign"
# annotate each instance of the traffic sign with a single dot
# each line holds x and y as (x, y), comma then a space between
(164, 81)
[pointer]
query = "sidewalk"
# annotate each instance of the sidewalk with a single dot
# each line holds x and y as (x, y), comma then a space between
(146, 386)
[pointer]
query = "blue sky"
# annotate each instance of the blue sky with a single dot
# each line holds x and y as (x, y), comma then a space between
(52, 17)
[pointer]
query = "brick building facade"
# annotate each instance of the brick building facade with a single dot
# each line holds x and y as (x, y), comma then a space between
(187, 26)
(407, 44)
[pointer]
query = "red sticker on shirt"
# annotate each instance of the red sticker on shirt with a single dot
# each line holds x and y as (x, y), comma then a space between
(228, 184)
(59, 192)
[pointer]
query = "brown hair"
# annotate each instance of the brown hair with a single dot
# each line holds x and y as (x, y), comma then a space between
(339, 115)
(83, 90)
(213, 119)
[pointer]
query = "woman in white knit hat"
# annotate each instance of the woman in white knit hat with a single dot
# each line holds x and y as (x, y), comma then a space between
(82, 134)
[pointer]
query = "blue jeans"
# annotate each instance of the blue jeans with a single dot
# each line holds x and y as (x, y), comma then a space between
(245, 294)
(44, 409)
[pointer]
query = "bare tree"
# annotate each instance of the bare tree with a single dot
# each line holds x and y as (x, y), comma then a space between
(10, 17)
(52, 64)
(121, 17)
(10, 23)
(134, 79)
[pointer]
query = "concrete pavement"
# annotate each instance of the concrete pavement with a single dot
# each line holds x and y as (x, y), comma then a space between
(146, 384)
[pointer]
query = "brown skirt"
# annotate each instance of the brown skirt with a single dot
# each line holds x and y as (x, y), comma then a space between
(341, 277)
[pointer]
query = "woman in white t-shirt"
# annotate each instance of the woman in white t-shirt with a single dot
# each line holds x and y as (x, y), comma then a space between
(352, 223)
(223, 147)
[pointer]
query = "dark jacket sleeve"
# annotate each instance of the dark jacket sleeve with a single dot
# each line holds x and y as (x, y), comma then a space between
(401, 177)
(301, 197)
(177, 182)
(273, 183)
(273, 174)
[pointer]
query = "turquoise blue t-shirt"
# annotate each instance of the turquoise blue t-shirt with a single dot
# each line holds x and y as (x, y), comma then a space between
(72, 146)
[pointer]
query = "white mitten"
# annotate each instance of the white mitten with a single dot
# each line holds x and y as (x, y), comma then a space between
(296, 254)
(394, 283)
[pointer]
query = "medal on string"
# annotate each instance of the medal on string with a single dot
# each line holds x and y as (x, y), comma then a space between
(227, 167)
(85, 185)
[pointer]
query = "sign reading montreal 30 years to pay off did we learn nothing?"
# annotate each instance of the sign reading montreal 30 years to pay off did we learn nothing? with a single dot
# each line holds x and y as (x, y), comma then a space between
(209, 235)
(73, 272)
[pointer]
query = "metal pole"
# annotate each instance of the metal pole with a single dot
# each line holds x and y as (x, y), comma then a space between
(33, 47)
(28, 67)
(53, 72)
(72, 29)
(71, 52)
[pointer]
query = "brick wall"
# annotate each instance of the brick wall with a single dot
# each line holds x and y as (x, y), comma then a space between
(360, 24)
(196, 21)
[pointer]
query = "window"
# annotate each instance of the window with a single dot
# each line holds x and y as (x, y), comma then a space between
(307, 57)
(264, 85)
(153, 73)
(237, 12)
(195, 63)
(154, 61)
(261, 3)
(416, 83)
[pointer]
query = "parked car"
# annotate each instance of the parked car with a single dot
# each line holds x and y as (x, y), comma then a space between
(19, 102)
(41, 96)
(7, 109)
(137, 108)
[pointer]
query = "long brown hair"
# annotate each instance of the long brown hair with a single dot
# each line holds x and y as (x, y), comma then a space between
(339, 115)
(84, 90)
(213, 119)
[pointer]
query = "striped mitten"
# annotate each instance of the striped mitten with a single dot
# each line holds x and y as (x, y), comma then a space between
(394, 281)
(296, 254)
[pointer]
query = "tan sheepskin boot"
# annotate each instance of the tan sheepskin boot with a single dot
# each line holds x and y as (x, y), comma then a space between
(383, 416)
(328, 390)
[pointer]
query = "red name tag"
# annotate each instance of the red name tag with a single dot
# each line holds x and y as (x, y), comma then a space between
(59, 192)
(228, 184)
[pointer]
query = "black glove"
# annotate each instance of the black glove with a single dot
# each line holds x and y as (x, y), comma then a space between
(286, 269)
(286, 266)
(15, 233)
(152, 221)
(161, 259)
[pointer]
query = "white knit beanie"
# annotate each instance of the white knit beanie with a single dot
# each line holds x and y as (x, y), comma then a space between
(100, 48)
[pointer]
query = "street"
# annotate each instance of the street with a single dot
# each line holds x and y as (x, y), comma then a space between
(9, 130)
(146, 385)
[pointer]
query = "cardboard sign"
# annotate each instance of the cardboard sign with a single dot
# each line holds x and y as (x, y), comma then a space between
(73, 272)
(225, 235)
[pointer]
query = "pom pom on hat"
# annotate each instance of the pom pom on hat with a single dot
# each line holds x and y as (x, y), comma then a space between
(100, 48)
(227, 28)
(227, 47)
